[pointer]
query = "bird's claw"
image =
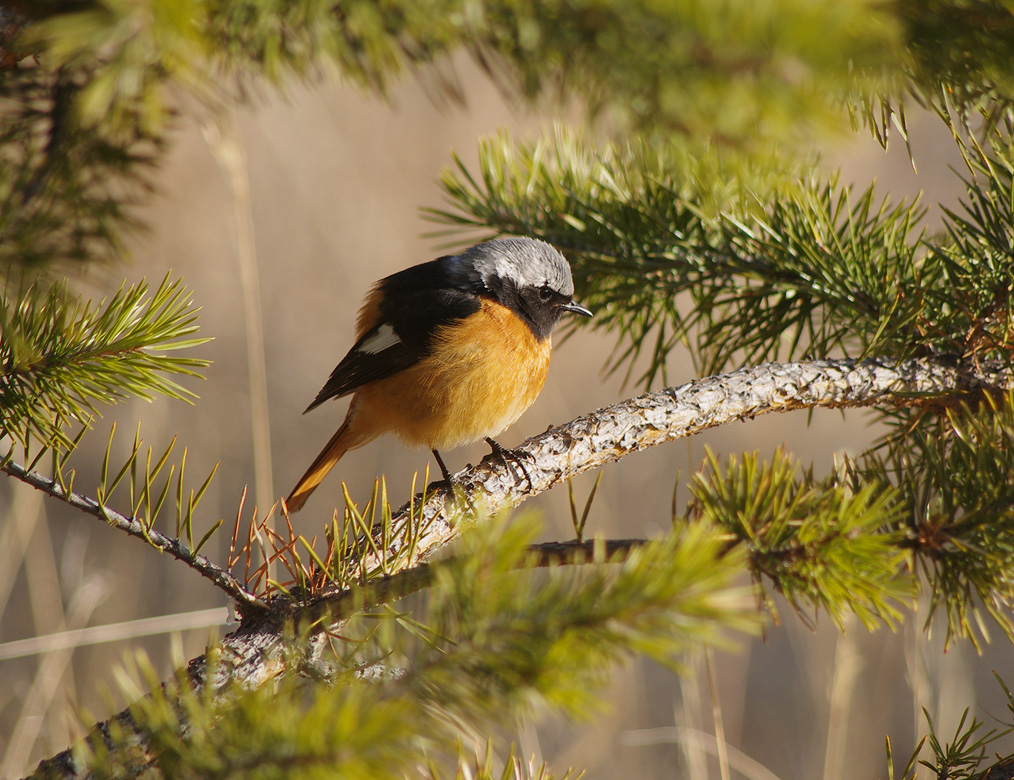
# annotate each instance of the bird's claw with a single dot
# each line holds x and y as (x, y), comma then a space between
(511, 458)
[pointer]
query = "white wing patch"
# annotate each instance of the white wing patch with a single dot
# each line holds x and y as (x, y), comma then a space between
(383, 338)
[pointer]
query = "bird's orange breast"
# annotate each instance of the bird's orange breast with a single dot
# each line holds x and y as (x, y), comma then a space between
(483, 373)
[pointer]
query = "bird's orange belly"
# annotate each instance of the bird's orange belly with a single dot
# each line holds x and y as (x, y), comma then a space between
(484, 372)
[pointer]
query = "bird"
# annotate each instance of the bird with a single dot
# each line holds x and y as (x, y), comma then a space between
(448, 352)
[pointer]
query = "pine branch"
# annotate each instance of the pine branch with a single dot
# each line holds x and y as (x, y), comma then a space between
(175, 547)
(971, 754)
(609, 434)
(61, 357)
(341, 605)
(960, 50)
(839, 545)
(68, 188)
(663, 67)
(953, 477)
(489, 629)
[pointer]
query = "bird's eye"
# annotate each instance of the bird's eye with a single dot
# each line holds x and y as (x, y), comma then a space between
(545, 292)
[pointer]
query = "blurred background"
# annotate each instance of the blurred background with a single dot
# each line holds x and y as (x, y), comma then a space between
(325, 186)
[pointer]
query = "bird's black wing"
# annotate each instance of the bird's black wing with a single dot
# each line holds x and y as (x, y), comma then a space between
(413, 304)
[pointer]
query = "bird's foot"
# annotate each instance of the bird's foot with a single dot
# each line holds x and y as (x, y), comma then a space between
(511, 459)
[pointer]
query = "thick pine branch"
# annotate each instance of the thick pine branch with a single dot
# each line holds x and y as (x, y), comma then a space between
(609, 434)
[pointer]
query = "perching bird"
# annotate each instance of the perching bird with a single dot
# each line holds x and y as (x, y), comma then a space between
(448, 352)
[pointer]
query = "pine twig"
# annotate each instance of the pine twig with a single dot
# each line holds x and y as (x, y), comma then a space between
(175, 547)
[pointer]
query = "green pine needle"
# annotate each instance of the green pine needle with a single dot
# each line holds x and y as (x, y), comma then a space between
(62, 358)
(825, 546)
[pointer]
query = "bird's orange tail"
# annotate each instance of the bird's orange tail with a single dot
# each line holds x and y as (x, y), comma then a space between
(340, 443)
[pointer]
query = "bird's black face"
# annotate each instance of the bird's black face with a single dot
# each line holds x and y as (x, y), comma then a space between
(543, 306)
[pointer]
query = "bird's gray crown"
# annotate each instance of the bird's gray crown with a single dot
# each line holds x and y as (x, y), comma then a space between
(527, 262)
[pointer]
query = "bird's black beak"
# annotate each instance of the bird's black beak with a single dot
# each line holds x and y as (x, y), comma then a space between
(576, 308)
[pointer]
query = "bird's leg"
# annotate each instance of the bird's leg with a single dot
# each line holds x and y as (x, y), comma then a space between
(510, 457)
(443, 468)
(447, 482)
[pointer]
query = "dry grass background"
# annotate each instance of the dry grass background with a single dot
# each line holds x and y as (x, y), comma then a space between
(336, 182)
